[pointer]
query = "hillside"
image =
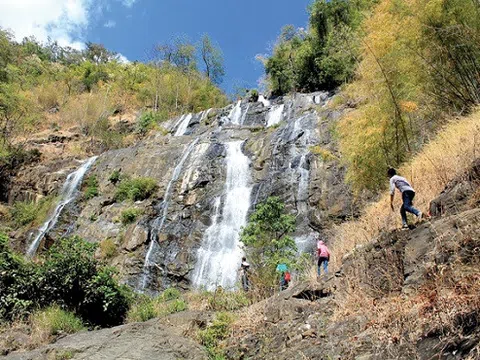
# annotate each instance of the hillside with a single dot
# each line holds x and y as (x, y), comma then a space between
(130, 194)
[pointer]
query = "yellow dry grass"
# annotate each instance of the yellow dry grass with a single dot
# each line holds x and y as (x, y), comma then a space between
(448, 155)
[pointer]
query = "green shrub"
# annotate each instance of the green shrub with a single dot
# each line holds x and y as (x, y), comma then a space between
(136, 189)
(148, 120)
(221, 300)
(142, 310)
(25, 212)
(54, 321)
(253, 95)
(130, 215)
(108, 249)
(91, 187)
(170, 294)
(146, 307)
(69, 276)
(217, 331)
(114, 177)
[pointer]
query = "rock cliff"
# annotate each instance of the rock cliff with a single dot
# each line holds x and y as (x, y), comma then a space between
(291, 153)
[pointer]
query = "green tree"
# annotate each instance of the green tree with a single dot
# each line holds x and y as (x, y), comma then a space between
(212, 58)
(268, 242)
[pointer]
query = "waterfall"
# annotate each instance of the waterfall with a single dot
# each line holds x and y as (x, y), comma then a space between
(274, 116)
(235, 115)
(264, 101)
(182, 127)
(219, 256)
(68, 194)
(159, 221)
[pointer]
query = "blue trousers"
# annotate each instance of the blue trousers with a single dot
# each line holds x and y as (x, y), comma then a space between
(323, 261)
(407, 206)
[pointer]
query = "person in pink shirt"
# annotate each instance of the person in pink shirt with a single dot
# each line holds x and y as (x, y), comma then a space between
(323, 255)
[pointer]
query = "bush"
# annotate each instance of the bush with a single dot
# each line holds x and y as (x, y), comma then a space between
(148, 120)
(114, 177)
(136, 189)
(108, 249)
(253, 95)
(55, 321)
(26, 212)
(221, 300)
(91, 188)
(23, 213)
(217, 331)
(146, 307)
(130, 215)
(69, 276)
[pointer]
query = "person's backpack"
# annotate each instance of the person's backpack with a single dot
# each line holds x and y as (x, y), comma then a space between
(288, 277)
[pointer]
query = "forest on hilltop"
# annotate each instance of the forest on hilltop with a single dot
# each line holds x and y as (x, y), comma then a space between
(403, 66)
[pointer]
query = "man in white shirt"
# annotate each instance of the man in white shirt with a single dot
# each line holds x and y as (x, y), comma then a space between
(407, 196)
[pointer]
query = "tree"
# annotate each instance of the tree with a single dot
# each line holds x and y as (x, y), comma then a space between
(212, 58)
(179, 53)
(267, 242)
(98, 54)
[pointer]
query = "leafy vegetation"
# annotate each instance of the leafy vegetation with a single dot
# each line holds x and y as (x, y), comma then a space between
(68, 276)
(420, 64)
(136, 189)
(84, 88)
(130, 215)
(323, 57)
(146, 307)
(54, 321)
(267, 243)
(215, 332)
(108, 249)
(91, 188)
(24, 213)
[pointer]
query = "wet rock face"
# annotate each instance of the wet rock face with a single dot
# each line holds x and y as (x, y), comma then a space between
(294, 158)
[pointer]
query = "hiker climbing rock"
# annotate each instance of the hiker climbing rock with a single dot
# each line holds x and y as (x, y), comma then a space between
(244, 268)
(285, 276)
(408, 194)
(323, 255)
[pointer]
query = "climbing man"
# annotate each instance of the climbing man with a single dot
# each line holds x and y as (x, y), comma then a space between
(323, 255)
(244, 267)
(408, 194)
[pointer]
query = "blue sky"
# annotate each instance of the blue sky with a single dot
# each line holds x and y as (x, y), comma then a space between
(131, 27)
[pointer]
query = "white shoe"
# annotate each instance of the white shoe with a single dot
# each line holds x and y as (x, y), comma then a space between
(419, 217)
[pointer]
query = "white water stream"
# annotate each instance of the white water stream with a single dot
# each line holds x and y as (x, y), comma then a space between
(264, 101)
(235, 115)
(220, 254)
(159, 221)
(68, 194)
(182, 127)
(275, 115)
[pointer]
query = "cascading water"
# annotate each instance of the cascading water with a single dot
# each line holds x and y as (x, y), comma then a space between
(235, 115)
(264, 101)
(275, 115)
(158, 223)
(219, 256)
(182, 127)
(68, 194)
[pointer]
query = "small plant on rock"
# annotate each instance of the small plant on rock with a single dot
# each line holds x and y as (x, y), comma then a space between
(215, 332)
(136, 189)
(91, 187)
(130, 215)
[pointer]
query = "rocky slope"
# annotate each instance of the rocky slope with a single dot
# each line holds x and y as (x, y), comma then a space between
(415, 296)
(288, 145)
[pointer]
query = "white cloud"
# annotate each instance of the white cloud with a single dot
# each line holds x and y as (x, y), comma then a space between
(128, 3)
(63, 20)
(122, 59)
(110, 24)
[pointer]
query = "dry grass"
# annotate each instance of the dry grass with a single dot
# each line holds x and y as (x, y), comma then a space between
(440, 161)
